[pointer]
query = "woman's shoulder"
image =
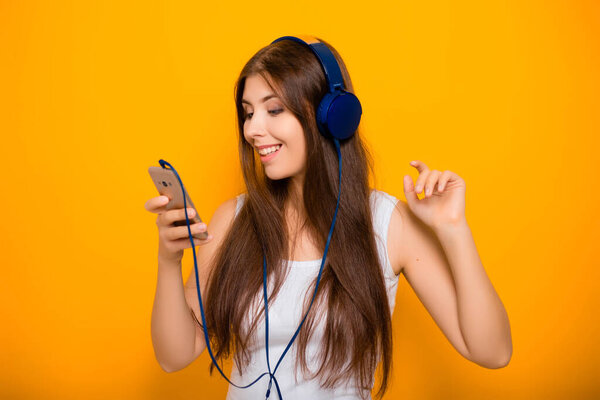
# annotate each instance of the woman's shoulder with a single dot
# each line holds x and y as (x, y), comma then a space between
(381, 195)
(392, 212)
(384, 203)
(224, 215)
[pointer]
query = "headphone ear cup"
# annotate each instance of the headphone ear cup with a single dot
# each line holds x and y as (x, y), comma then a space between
(339, 114)
(322, 115)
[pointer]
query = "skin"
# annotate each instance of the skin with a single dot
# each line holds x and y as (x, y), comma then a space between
(429, 241)
(270, 122)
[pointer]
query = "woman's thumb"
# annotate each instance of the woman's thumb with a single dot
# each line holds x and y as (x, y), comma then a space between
(409, 190)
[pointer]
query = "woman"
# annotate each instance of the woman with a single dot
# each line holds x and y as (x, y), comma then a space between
(291, 175)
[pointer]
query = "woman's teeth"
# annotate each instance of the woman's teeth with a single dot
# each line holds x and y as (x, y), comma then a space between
(268, 150)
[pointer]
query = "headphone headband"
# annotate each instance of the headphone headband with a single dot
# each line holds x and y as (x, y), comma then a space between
(339, 111)
(325, 56)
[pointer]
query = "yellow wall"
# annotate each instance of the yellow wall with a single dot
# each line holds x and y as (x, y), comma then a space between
(93, 93)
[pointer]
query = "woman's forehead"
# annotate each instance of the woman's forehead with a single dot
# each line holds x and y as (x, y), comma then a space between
(257, 91)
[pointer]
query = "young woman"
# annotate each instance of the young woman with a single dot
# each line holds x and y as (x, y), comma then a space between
(291, 176)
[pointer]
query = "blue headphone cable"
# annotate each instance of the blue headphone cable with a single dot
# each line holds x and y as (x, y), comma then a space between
(271, 374)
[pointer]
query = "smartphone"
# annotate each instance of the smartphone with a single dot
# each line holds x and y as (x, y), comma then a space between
(168, 185)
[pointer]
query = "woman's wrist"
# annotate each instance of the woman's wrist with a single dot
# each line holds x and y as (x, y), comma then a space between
(168, 262)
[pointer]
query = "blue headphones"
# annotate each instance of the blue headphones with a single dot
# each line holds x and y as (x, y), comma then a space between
(339, 111)
(338, 116)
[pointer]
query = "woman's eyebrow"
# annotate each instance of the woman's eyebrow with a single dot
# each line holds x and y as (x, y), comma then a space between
(267, 97)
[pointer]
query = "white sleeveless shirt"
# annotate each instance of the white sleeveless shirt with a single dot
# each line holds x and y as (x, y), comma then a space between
(285, 314)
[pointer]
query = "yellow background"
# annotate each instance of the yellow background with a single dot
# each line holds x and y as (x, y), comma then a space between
(92, 93)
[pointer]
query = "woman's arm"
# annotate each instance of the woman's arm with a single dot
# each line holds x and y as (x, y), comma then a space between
(483, 319)
(177, 338)
(441, 262)
(443, 268)
(172, 326)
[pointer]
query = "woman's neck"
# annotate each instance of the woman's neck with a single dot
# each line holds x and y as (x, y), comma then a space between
(295, 202)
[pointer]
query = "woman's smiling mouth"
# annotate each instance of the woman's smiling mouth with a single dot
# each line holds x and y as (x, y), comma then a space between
(271, 152)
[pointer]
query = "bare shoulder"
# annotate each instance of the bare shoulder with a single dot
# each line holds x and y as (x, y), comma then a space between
(400, 215)
(410, 241)
(222, 218)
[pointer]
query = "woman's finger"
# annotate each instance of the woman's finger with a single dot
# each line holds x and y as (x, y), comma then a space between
(446, 175)
(156, 204)
(182, 244)
(423, 173)
(171, 216)
(420, 183)
(432, 179)
(419, 165)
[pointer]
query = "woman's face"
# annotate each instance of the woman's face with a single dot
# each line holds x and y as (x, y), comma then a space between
(269, 123)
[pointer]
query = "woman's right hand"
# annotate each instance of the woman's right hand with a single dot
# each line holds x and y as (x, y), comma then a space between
(173, 239)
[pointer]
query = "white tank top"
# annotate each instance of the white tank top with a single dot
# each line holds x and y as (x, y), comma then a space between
(285, 314)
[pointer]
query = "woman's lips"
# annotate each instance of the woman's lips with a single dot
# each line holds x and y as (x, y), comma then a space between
(270, 156)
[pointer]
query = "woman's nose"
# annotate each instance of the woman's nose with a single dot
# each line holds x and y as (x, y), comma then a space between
(255, 126)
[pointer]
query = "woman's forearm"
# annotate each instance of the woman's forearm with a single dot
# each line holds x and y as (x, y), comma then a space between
(172, 326)
(482, 317)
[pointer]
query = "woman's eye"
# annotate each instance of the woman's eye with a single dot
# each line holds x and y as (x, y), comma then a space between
(273, 112)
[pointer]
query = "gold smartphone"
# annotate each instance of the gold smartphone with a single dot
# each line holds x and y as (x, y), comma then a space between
(168, 185)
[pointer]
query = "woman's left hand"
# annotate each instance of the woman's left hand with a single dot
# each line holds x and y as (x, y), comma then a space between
(444, 201)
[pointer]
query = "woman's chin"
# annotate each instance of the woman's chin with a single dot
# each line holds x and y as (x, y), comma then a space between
(274, 176)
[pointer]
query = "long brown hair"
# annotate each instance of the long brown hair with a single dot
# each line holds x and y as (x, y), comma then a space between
(352, 293)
